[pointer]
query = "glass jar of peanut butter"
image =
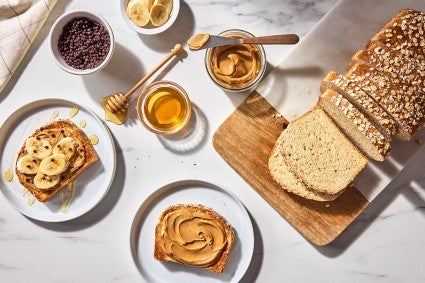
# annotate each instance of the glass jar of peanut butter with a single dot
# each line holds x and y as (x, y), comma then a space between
(236, 67)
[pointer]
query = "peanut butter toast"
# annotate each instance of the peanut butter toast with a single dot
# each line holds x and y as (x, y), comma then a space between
(193, 235)
(52, 157)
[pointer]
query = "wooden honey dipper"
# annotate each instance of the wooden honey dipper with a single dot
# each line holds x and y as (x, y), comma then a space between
(118, 103)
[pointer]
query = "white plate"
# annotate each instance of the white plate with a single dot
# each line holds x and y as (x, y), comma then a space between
(142, 235)
(90, 186)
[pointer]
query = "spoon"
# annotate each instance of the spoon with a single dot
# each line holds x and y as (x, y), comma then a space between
(118, 102)
(204, 40)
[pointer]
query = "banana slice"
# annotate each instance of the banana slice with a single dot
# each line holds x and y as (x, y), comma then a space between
(79, 159)
(53, 165)
(168, 5)
(38, 147)
(28, 164)
(158, 15)
(138, 12)
(65, 146)
(150, 3)
(45, 182)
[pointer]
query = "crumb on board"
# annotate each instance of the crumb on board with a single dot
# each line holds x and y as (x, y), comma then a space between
(308, 90)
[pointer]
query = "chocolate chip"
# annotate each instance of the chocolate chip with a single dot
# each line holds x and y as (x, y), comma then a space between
(84, 43)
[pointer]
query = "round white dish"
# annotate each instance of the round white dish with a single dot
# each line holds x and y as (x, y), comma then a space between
(90, 186)
(142, 234)
(57, 29)
(151, 30)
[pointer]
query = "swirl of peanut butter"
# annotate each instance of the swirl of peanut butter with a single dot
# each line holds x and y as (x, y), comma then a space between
(192, 236)
(235, 65)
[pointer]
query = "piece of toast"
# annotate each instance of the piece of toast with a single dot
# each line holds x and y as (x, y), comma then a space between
(165, 239)
(84, 156)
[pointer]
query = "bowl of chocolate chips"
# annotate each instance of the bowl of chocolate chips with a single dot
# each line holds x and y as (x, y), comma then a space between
(82, 42)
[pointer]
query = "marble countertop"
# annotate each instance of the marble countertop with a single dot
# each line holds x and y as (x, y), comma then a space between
(384, 244)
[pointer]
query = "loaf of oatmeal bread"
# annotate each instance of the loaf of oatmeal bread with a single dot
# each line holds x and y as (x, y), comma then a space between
(289, 181)
(404, 33)
(405, 105)
(355, 125)
(319, 154)
(367, 105)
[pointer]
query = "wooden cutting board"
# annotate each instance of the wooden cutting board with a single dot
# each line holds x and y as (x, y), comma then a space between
(251, 132)
(246, 138)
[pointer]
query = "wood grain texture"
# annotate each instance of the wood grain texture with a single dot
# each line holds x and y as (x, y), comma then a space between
(246, 139)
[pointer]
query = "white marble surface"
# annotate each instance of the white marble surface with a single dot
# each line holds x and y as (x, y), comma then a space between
(385, 244)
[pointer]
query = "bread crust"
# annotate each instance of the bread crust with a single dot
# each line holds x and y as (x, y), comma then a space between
(220, 264)
(55, 131)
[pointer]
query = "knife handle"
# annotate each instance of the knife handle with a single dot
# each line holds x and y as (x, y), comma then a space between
(272, 39)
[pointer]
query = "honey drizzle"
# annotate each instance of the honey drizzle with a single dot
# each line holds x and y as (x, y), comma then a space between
(67, 195)
(8, 175)
(94, 140)
(55, 114)
(118, 119)
(74, 111)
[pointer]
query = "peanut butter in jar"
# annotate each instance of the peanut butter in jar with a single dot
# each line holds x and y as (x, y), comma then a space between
(236, 67)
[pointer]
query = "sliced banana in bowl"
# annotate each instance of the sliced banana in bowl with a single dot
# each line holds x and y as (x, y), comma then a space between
(150, 16)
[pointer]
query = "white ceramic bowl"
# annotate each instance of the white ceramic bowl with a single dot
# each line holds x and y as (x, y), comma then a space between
(57, 29)
(150, 29)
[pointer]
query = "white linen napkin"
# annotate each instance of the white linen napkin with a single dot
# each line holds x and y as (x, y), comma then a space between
(20, 22)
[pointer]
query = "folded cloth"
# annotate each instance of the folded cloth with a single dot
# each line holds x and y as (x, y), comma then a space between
(20, 22)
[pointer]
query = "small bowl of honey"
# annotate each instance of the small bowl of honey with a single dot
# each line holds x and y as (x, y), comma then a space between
(164, 108)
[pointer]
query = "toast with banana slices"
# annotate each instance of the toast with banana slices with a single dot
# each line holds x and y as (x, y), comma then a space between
(52, 157)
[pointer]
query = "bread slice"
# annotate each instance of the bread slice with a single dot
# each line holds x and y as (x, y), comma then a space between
(405, 105)
(320, 154)
(194, 235)
(282, 174)
(367, 105)
(84, 156)
(404, 33)
(355, 125)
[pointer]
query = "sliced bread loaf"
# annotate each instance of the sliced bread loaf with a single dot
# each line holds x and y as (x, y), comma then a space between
(406, 106)
(355, 125)
(370, 108)
(283, 175)
(405, 33)
(320, 154)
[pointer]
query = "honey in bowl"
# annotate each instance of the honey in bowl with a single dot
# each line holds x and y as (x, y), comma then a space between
(164, 108)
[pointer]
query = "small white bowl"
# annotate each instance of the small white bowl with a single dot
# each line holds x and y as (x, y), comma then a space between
(57, 29)
(150, 29)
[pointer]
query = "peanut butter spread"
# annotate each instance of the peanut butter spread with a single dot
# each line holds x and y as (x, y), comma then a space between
(193, 236)
(235, 65)
(198, 41)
